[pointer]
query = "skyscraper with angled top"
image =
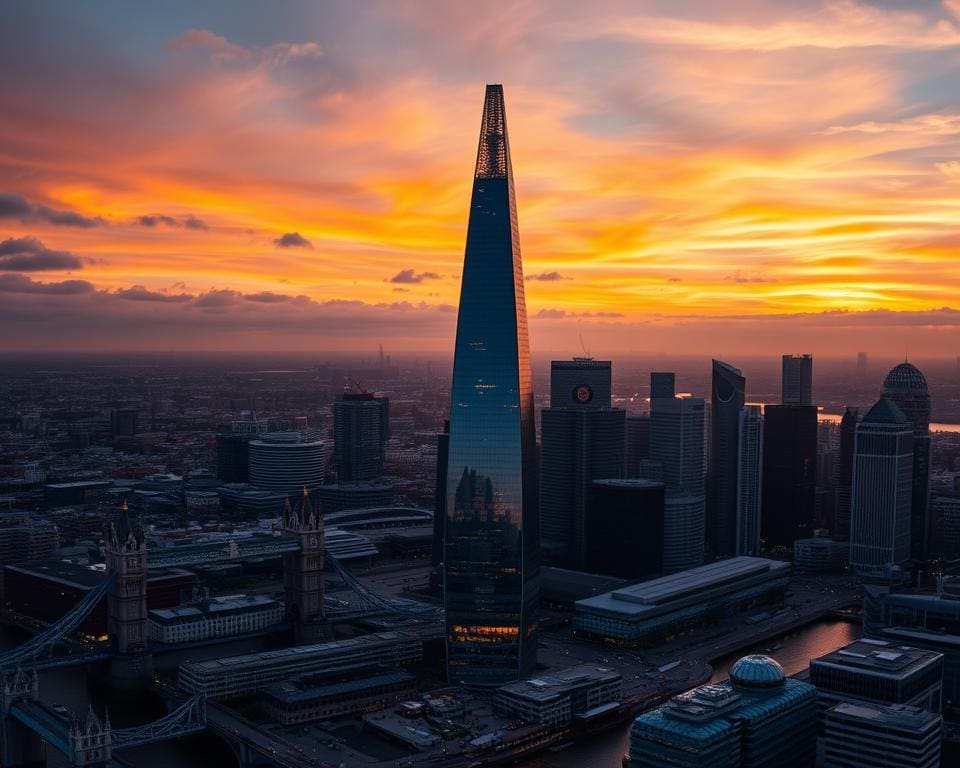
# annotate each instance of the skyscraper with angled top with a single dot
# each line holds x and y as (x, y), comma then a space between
(492, 550)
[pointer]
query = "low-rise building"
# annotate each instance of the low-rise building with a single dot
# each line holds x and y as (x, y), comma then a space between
(243, 675)
(215, 617)
(554, 699)
(757, 718)
(870, 671)
(317, 697)
(867, 735)
(654, 610)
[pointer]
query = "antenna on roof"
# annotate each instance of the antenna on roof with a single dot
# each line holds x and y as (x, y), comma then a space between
(583, 346)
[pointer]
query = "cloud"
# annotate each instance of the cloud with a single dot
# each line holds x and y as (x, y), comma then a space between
(744, 279)
(139, 293)
(16, 207)
(268, 297)
(192, 222)
(411, 276)
(23, 284)
(28, 254)
(561, 314)
(292, 240)
(222, 51)
(929, 125)
(547, 277)
(155, 219)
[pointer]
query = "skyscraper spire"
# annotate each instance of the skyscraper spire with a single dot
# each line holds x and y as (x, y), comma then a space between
(492, 538)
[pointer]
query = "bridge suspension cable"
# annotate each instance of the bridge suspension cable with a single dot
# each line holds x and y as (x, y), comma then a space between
(372, 601)
(189, 717)
(30, 651)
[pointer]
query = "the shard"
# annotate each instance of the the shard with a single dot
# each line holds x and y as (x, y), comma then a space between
(491, 574)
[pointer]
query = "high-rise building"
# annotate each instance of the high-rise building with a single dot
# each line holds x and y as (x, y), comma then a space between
(749, 480)
(577, 446)
(867, 736)
(624, 528)
(581, 439)
(638, 444)
(848, 436)
(287, 462)
(582, 381)
(882, 486)
(907, 387)
(789, 474)
(492, 542)
(728, 397)
(757, 718)
(360, 431)
(440, 506)
(796, 384)
(663, 384)
(676, 445)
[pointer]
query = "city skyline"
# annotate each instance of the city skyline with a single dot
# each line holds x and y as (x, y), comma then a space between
(199, 179)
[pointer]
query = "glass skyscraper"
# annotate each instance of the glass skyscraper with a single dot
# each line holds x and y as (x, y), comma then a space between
(491, 565)
(729, 387)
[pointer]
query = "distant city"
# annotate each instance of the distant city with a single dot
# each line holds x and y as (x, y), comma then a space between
(391, 559)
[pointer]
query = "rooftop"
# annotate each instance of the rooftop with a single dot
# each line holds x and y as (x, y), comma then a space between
(879, 657)
(905, 377)
(898, 716)
(556, 684)
(885, 411)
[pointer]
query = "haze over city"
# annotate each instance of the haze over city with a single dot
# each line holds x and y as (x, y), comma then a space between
(692, 178)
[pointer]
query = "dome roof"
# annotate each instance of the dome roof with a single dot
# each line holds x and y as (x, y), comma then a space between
(756, 671)
(905, 376)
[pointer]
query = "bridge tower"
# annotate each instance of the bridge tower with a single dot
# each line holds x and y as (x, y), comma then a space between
(126, 555)
(90, 742)
(20, 745)
(303, 571)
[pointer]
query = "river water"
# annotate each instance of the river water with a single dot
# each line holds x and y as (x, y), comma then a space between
(793, 651)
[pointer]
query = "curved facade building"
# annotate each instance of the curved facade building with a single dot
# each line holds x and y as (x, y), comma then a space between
(491, 563)
(907, 387)
(286, 462)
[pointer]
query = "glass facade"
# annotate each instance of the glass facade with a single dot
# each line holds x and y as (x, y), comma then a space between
(729, 388)
(491, 573)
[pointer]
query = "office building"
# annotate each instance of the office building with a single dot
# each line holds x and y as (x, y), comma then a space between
(676, 445)
(287, 462)
(215, 617)
(440, 506)
(582, 381)
(907, 387)
(878, 672)
(578, 444)
(789, 474)
(756, 719)
(492, 542)
(360, 430)
(796, 383)
(653, 611)
(624, 528)
(123, 422)
(728, 397)
(820, 554)
(554, 699)
(870, 736)
(243, 675)
(242, 500)
(638, 444)
(882, 486)
(336, 497)
(749, 480)
(848, 438)
(334, 694)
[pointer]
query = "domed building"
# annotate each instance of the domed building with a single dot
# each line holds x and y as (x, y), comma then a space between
(906, 385)
(759, 717)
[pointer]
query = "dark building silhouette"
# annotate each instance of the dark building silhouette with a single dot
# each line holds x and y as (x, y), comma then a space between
(581, 381)
(796, 383)
(233, 456)
(907, 387)
(638, 444)
(492, 550)
(789, 474)
(728, 397)
(123, 422)
(624, 528)
(360, 429)
(581, 439)
(848, 437)
(440, 506)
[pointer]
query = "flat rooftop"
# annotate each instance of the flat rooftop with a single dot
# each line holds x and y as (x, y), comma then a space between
(85, 576)
(338, 683)
(898, 716)
(212, 607)
(879, 657)
(550, 686)
(648, 596)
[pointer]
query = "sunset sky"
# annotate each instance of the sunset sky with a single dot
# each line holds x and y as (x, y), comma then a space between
(725, 178)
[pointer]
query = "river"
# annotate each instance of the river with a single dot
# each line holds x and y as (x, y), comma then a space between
(793, 651)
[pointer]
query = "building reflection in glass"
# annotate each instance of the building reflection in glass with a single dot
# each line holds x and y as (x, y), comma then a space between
(492, 540)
